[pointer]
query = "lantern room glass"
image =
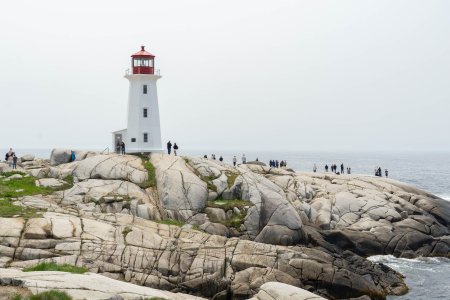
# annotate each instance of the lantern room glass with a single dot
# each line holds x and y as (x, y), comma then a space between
(142, 62)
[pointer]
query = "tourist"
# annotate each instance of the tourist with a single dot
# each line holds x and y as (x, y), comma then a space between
(342, 168)
(175, 148)
(379, 172)
(118, 146)
(213, 156)
(277, 164)
(326, 168)
(220, 158)
(315, 168)
(72, 155)
(386, 172)
(257, 159)
(244, 159)
(9, 157)
(169, 147)
(349, 170)
(14, 165)
(205, 156)
(122, 146)
(234, 160)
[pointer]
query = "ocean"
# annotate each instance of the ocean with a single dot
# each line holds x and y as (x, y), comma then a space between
(427, 278)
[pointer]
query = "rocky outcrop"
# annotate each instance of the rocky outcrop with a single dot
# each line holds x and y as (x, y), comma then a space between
(181, 192)
(112, 166)
(276, 290)
(307, 230)
(62, 156)
(170, 258)
(83, 286)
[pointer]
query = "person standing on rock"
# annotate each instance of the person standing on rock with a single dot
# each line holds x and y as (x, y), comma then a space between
(118, 146)
(14, 165)
(315, 168)
(244, 159)
(220, 158)
(169, 147)
(175, 148)
(9, 157)
(326, 168)
(342, 168)
(72, 155)
(234, 160)
(386, 172)
(122, 146)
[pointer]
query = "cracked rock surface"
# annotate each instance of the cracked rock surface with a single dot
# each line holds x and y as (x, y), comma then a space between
(306, 230)
(169, 258)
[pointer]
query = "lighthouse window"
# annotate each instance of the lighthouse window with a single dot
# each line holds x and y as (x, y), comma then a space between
(145, 113)
(133, 140)
(144, 89)
(145, 137)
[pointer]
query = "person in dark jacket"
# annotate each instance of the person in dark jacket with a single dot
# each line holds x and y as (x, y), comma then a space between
(169, 147)
(14, 165)
(122, 147)
(175, 149)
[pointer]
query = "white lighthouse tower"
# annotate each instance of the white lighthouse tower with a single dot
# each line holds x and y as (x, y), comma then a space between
(143, 132)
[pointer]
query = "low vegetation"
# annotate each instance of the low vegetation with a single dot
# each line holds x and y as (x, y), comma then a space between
(151, 181)
(231, 178)
(10, 189)
(237, 219)
(228, 204)
(48, 295)
(126, 231)
(50, 266)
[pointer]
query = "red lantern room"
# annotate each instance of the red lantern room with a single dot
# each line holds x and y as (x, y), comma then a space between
(143, 62)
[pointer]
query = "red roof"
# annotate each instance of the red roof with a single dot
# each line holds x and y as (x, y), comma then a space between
(142, 53)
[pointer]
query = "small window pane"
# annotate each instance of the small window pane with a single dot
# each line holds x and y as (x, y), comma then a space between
(145, 113)
(133, 140)
(145, 138)
(145, 89)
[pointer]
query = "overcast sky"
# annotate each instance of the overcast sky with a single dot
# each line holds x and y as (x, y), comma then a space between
(269, 75)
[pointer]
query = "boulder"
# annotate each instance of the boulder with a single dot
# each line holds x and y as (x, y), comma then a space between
(27, 157)
(215, 214)
(62, 156)
(277, 290)
(85, 286)
(112, 166)
(181, 192)
(50, 182)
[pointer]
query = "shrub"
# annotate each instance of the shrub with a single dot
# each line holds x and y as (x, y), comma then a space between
(51, 266)
(48, 295)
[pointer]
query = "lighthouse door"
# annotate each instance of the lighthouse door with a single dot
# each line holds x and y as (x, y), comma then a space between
(118, 142)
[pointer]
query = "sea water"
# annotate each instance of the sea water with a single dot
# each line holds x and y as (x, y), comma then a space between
(427, 278)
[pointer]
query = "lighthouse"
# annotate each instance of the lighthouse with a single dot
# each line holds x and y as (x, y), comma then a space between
(143, 132)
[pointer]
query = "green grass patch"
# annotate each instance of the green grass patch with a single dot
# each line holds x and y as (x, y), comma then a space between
(20, 187)
(7, 174)
(231, 178)
(51, 266)
(236, 220)
(8, 209)
(126, 231)
(228, 204)
(151, 181)
(48, 295)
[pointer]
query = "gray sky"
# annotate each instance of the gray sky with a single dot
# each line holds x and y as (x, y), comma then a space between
(269, 75)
